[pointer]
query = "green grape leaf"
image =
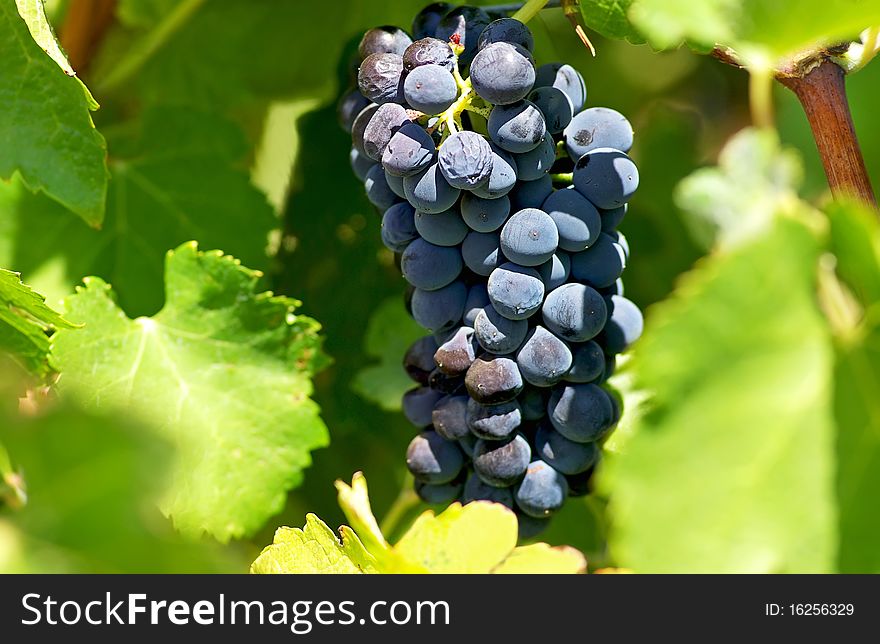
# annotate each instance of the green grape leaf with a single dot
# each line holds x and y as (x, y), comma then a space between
(46, 131)
(222, 371)
(176, 176)
(731, 467)
(539, 558)
(91, 482)
(206, 63)
(389, 334)
(33, 12)
(719, 209)
(24, 320)
(855, 239)
(856, 244)
(479, 537)
(354, 500)
(609, 18)
(763, 31)
(314, 550)
(446, 543)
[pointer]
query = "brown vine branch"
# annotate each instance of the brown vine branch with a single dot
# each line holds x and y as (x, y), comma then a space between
(819, 84)
(822, 93)
(84, 27)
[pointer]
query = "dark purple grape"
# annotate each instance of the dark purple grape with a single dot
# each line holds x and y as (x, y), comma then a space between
(409, 151)
(597, 127)
(380, 78)
(507, 30)
(384, 40)
(348, 108)
(432, 459)
(428, 51)
(502, 73)
(502, 463)
(495, 421)
(450, 417)
(430, 89)
(419, 359)
(493, 379)
(465, 159)
(456, 355)
(426, 21)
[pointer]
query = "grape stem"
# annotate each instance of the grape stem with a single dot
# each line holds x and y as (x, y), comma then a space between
(562, 177)
(516, 6)
(529, 10)
(819, 84)
(822, 94)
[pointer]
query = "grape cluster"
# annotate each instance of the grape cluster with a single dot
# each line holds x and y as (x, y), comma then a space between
(501, 195)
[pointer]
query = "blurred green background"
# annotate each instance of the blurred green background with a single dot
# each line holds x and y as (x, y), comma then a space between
(274, 69)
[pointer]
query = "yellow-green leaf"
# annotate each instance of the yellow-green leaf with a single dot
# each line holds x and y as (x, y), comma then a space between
(540, 558)
(314, 549)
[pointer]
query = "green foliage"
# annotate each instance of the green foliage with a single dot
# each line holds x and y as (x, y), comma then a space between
(720, 211)
(222, 370)
(762, 31)
(753, 446)
(91, 484)
(46, 132)
(292, 48)
(177, 176)
(24, 322)
(390, 333)
(441, 543)
(855, 236)
(744, 329)
(314, 550)
(749, 440)
(609, 18)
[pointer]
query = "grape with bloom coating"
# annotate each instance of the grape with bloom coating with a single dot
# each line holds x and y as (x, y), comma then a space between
(502, 178)
(484, 215)
(607, 177)
(429, 191)
(517, 127)
(497, 334)
(429, 267)
(542, 491)
(543, 358)
(597, 127)
(575, 312)
(566, 79)
(502, 463)
(493, 422)
(379, 78)
(581, 413)
(439, 310)
(507, 30)
(433, 460)
(428, 51)
(384, 40)
(430, 89)
(529, 238)
(515, 291)
(493, 379)
(576, 219)
(536, 163)
(481, 252)
(409, 151)
(502, 73)
(465, 159)
(443, 229)
(398, 227)
(386, 121)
